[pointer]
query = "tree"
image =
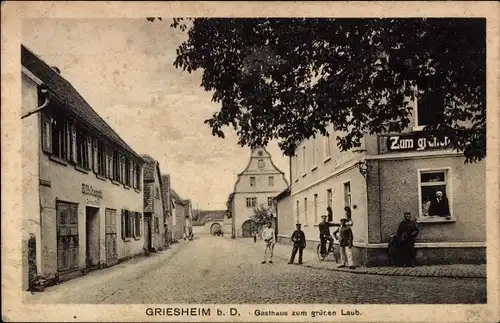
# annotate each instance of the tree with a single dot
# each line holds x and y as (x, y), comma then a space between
(288, 79)
(261, 216)
(229, 205)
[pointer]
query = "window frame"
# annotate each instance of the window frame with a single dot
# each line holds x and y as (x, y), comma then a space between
(449, 194)
(270, 200)
(304, 160)
(349, 195)
(327, 149)
(253, 202)
(315, 207)
(253, 181)
(270, 181)
(306, 218)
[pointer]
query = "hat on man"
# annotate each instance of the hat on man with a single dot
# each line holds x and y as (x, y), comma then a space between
(323, 216)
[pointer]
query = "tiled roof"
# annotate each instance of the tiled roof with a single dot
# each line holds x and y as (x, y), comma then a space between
(204, 216)
(149, 167)
(73, 101)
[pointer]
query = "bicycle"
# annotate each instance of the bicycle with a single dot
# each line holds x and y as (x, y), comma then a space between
(335, 250)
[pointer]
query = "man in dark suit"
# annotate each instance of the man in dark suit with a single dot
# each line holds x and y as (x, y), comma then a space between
(439, 206)
(299, 243)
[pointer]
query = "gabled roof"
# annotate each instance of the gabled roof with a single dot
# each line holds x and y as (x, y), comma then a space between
(204, 216)
(71, 100)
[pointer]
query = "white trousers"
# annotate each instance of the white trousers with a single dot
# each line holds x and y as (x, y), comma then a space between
(268, 252)
(346, 256)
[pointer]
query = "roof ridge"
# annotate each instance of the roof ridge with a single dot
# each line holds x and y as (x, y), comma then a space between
(68, 83)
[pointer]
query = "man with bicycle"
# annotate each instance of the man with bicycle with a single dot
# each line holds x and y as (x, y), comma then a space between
(325, 235)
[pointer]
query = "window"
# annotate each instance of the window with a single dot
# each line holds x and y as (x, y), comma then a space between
(347, 194)
(315, 208)
(305, 211)
(326, 144)
(59, 138)
(116, 165)
(101, 158)
(304, 160)
(127, 172)
(157, 225)
(252, 181)
(261, 163)
(138, 224)
(138, 172)
(314, 153)
(428, 108)
(329, 197)
(433, 188)
(271, 180)
(126, 224)
(270, 201)
(157, 193)
(251, 202)
(82, 151)
(297, 211)
(297, 166)
(109, 162)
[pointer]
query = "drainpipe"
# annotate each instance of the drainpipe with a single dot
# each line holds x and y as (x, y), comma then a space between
(45, 92)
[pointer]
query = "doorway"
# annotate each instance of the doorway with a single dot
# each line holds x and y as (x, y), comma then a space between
(147, 232)
(92, 235)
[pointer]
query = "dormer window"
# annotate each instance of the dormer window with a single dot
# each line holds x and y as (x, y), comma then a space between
(260, 153)
(252, 181)
(261, 163)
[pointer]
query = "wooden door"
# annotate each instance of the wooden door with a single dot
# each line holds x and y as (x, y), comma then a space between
(248, 229)
(111, 250)
(147, 233)
(67, 236)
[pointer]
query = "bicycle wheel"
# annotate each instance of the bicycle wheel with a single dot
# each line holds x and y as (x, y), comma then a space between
(321, 255)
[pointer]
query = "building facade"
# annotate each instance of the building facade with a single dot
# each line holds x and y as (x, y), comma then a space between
(82, 184)
(256, 186)
(168, 208)
(388, 175)
(155, 237)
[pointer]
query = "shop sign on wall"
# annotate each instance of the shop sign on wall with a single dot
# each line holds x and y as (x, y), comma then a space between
(410, 142)
(89, 190)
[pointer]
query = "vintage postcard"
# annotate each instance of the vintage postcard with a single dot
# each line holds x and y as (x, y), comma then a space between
(250, 161)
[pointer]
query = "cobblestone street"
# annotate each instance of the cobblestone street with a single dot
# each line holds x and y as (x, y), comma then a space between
(220, 270)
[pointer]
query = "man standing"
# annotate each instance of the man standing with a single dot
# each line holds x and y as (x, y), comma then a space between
(346, 239)
(299, 243)
(269, 239)
(439, 206)
(406, 236)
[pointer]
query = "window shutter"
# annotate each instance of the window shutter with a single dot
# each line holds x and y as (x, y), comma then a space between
(140, 223)
(132, 166)
(89, 152)
(46, 134)
(122, 169)
(123, 224)
(111, 165)
(95, 161)
(132, 225)
(130, 173)
(107, 171)
(73, 143)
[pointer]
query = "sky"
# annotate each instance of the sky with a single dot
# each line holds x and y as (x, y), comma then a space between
(124, 69)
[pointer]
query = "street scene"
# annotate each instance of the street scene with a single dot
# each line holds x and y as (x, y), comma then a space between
(254, 161)
(219, 270)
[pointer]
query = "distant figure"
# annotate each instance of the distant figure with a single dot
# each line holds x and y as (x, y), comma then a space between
(255, 237)
(299, 243)
(269, 239)
(346, 239)
(405, 241)
(439, 206)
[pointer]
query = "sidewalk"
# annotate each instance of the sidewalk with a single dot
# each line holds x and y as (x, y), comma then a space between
(311, 261)
(132, 268)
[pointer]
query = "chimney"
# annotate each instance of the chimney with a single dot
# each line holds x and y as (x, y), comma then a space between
(55, 68)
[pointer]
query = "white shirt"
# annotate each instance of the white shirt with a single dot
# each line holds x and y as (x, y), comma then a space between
(268, 233)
